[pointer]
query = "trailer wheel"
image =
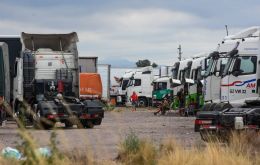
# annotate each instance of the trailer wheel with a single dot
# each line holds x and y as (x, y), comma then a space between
(142, 102)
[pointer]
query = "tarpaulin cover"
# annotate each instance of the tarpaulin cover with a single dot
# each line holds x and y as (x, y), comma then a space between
(90, 84)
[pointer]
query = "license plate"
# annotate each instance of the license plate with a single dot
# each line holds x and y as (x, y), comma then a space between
(206, 122)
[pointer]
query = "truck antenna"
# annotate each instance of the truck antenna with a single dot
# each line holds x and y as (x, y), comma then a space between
(180, 52)
(226, 29)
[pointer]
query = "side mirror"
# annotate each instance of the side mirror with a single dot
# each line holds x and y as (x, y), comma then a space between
(203, 73)
(203, 64)
(217, 73)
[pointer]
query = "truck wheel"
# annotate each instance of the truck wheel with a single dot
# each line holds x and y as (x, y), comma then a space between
(222, 106)
(142, 102)
(98, 122)
(47, 126)
(88, 124)
(68, 124)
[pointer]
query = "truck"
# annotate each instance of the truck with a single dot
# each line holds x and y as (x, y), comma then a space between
(238, 108)
(180, 72)
(119, 92)
(141, 83)
(194, 96)
(162, 86)
(46, 82)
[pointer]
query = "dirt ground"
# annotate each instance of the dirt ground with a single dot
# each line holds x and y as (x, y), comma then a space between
(103, 141)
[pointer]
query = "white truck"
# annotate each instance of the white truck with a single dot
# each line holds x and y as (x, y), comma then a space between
(45, 81)
(195, 94)
(238, 108)
(141, 83)
(214, 92)
(180, 72)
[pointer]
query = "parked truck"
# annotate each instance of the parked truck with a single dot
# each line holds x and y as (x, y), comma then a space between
(46, 82)
(194, 97)
(238, 108)
(162, 86)
(141, 83)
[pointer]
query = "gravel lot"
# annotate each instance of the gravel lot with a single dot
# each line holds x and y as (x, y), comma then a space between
(102, 141)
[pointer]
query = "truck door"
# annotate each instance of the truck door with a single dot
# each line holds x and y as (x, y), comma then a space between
(241, 82)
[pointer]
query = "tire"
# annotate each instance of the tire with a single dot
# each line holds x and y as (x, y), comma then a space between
(88, 124)
(142, 102)
(68, 124)
(98, 121)
(222, 106)
(47, 126)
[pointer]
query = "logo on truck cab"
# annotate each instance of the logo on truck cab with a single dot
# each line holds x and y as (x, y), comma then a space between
(249, 83)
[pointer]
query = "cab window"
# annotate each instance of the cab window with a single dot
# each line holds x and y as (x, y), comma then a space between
(247, 64)
(137, 82)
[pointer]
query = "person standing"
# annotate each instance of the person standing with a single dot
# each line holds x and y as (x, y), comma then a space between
(180, 96)
(134, 100)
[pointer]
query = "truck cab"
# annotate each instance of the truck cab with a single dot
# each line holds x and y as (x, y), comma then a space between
(240, 80)
(195, 95)
(141, 84)
(122, 89)
(238, 108)
(161, 89)
(162, 86)
(180, 72)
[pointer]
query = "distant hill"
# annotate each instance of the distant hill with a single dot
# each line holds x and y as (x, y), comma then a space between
(118, 62)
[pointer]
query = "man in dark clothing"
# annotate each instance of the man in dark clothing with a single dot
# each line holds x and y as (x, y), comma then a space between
(180, 96)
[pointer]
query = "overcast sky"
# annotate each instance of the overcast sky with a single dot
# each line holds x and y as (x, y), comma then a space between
(133, 29)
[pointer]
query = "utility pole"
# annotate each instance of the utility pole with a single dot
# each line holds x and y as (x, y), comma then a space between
(180, 52)
(226, 29)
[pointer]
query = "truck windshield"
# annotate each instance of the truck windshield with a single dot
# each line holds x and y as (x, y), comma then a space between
(175, 73)
(225, 72)
(187, 72)
(160, 86)
(124, 84)
(209, 67)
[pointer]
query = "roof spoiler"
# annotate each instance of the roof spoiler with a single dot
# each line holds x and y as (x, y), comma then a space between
(56, 42)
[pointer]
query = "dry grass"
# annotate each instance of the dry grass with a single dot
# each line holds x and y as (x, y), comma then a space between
(243, 149)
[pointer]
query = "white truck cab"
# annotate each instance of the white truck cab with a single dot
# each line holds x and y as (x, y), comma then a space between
(240, 79)
(121, 94)
(141, 84)
(195, 93)
(231, 76)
